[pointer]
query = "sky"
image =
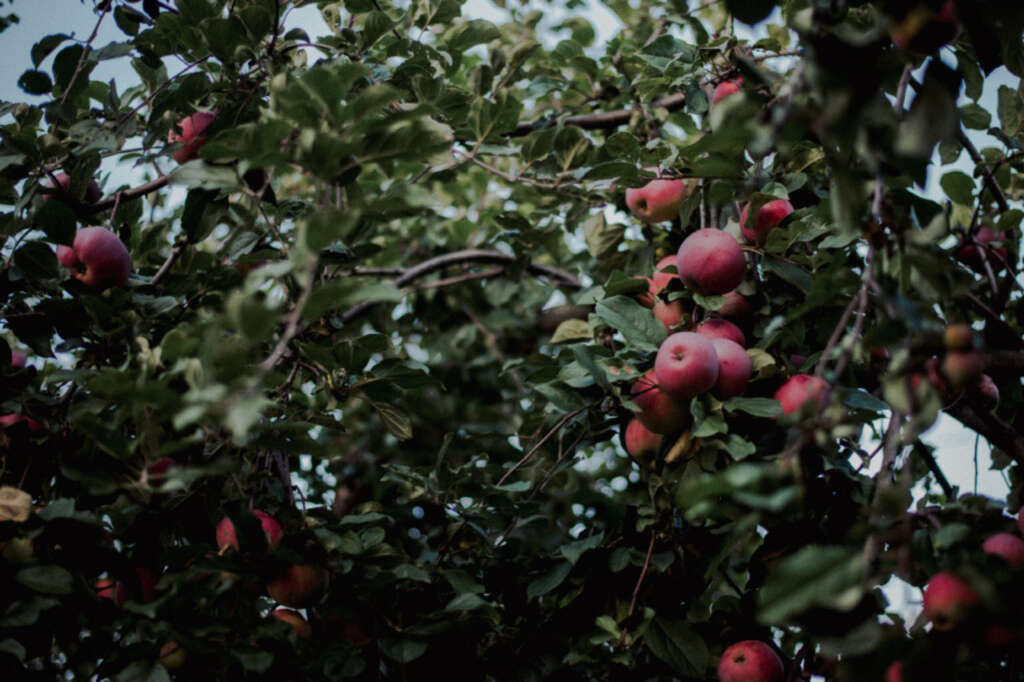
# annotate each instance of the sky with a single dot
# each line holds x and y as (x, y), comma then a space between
(955, 444)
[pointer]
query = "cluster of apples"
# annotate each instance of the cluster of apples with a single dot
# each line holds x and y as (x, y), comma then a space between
(97, 257)
(950, 601)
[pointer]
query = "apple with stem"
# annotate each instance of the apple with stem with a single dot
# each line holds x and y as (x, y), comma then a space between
(734, 368)
(657, 201)
(948, 600)
(711, 262)
(190, 133)
(922, 30)
(686, 365)
(799, 389)
(768, 218)
(659, 412)
(750, 661)
(97, 258)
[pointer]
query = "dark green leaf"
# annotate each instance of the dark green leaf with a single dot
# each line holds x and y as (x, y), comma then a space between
(548, 581)
(640, 328)
(46, 579)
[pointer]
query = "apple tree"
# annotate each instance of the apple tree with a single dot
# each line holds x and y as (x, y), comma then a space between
(371, 352)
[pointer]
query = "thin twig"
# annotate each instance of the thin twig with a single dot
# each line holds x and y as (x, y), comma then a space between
(555, 429)
(167, 264)
(639, 583)
(292, 324)
(85, 53)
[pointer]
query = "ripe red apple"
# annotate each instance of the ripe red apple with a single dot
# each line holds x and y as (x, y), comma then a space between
(947, 600)
(18, 359)
(986, 391)
(986, 243)
(686, 365)
(294, 618)
(1006, 545)
(156, 473)
(299, 586)
(98, 258)
(798, 389)
(726, 88)
(12, 419)
(640, 441)
(172, 656)
(62, 190)
(923, 30)
(735, 306)
(111, 589)
(657, 201)
(226, 536)
(711, 262)
(717, 328)
(962, 367)
(191, 135)
(734, 368)
(671, 314)
(768, 218)
(659, 412)
(750, 661)
(894, 673)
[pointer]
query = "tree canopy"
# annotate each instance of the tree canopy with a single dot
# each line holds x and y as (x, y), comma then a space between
(392, 303)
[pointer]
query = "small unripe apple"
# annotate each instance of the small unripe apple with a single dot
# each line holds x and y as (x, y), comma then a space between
(711, 262)
(768, 218)
(640, 441)
(686, 365)
(62, 190)
(894, 673)
(798, 389)
(734, 368)
(923, 30)
(657, 201)
(299, 586)
(717, 328)
(726, 88)
(659, 412)
(985, 247)
(958, 337)
(226, 536)
(191, 135)
(962, 367)
(750, 661)
(294, 618)
(172, 656)
(1006, 545)
(948, 600)
(97, 258)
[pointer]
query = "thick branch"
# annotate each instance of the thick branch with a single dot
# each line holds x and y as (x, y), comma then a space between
(999, 433)
(132, 193)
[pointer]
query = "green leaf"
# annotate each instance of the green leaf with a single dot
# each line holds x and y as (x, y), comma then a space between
(829, 577)
(36, 261)
(859, 399)
(759, 407)
(637, 325)
(46, 579)
(572, 330)
(679, 646)
(602, 239)
(548, 581)
(959, 187)
(256, 661)
(13, 647)
(975, 116)
(403, 650)
(395, 420)
(790, 272)
(35, 82)
(143, 671)
(26, 611)
(44, 47)
(465, 602)
(574, 550)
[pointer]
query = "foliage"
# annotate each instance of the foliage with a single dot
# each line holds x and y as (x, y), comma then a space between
(395, 309)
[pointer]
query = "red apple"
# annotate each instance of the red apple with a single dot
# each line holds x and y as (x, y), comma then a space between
(735, 306)
(226, 536)
(686, 365)
(671, 314)
(768, 218)
(98, 258)
(18, 359)
(659, 412)
(947, 600)
(641, 442)
(984, 247)
(62, 190)
(657, 201)
(724, 89)
(110, 589)
(923, 30)
(12, 419)
(734, 368)
(295, 619)
(750, 661)
(1006, 545)
(710, 262)
(962, 367)
(191, 135)
(717, 328)
(894, 673)
(299, 586)
(172, 656)
(798, 390)
(146, 584)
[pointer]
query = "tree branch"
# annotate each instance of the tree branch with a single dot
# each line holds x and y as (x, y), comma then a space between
(999, 433)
